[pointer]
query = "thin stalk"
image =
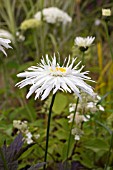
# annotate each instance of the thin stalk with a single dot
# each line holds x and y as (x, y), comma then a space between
(109, 153)
(71, 128)
(108, 38)
(82, 58)
(48, 128)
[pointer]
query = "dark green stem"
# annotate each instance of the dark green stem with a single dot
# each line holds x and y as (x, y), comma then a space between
(72, 127)
(108, 38)
(109, 153)
(4, 161)
(48, 127)
(82, 58)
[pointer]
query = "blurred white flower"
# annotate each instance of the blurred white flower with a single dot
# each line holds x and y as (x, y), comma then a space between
(78, 118)
(20, 37)
(77, 137)
(49, 75)
(4, 43)
(28, 138)
(97, 22)
(106, 12)
(53, 15)
(77, 132)
(88, 104)
(36, 136)
(84, 42)
(22, 126)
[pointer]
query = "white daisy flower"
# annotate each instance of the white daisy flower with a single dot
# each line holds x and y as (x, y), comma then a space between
(49, 75)
(84, 43)
(4, 43)
(53, 15)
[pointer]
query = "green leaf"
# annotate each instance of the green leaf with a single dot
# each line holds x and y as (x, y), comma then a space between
(60, 103)
(96, 145)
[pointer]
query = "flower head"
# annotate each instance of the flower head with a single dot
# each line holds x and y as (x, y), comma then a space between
(30, 23)
(53, 15)
(78, 118)
(4, 43)
(106, 12)
(49, 75)
(84, 43)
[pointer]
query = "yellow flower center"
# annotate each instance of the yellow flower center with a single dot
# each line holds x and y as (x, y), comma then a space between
(61, 69)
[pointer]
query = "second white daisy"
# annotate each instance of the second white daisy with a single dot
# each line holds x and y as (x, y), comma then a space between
(49, 75)
(84, 43)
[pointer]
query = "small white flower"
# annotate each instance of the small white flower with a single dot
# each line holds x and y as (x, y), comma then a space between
(97, 22)
(49, 75)
(84, 42)
(4, 43)
(77, 137)
(29, 135)
(106, 12)
(53, 15)
(101, 108)
(78, 118)
(77, 132)
(37, 136)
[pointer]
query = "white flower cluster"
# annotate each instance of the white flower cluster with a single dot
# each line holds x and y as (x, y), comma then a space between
(22, 126)
(53, 15)
(86, 105)
(89, 104)
(79, 119)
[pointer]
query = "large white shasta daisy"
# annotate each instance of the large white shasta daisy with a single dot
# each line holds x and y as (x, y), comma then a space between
(49, 75)
(4, 43)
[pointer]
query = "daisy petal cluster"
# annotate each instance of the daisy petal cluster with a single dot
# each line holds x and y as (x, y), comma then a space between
(84, 43)
(6, 34)
(50, 76)
(22, 126)
(53, 15)
(4, 43)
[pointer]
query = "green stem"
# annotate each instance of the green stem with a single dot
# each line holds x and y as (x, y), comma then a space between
(4, 161)
(82, 58)
(72, 127)
(48, 127)
(109, 153)
(108, 38)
